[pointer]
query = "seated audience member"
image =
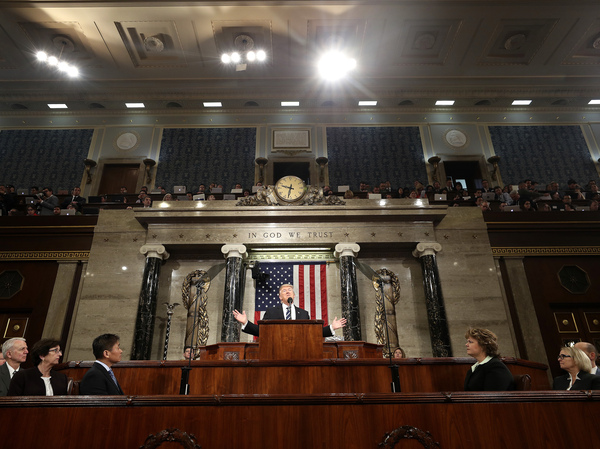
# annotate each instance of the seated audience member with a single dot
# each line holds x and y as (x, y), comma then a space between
(168, 197)
(489, 373)
(400, 192)
(436, 187)
(100, 379)
(485, 206)
(211, 198)
(544, 207)
(144, 189)
(190, 196)
(147, 202)
(399, 353)
(578, 366)
(486, 186)
(163, 191)
(14, 352)
(348, 194)
(48, 202)
(375, 190)
(364, 187)
(201, 189)
(73, 198)
(591, 351)
(526, 206)
(502, 196)
(594, 206)
(141, 196)
(246, 192)
(74, 206)
(41, 380)
(2, 359)
(188, 353)
(56, 210)
(285, 311)
(592, 193)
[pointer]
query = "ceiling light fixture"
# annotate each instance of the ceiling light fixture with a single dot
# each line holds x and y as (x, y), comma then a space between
(367, 103)
(594, 102)
(244, 53)
(444, 103)
(335, 65)
(64, 43)
(135, 105)
(213, 104)
(57, 106)
(290, 103)
(521, 102)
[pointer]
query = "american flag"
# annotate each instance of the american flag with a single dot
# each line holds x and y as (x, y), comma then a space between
(310, 287)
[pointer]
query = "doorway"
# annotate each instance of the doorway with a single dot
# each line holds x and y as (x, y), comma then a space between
(115, 176)
(468, 172)
(299, 169)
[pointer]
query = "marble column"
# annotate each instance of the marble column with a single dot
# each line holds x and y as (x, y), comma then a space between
(146, 313)
(346, 253)
(436, 310)
(235, 277)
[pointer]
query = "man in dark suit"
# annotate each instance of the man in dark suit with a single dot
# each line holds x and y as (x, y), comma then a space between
(15, 352)
(285, 311)
(74, 198)
(100, 379)
(592, 353)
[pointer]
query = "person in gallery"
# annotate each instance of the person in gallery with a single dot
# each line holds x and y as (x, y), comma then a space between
(285, 311)
(578, 366)
(100, 379)
(488, 373)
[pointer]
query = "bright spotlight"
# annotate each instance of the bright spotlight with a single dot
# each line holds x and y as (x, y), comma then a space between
(52, 60)
(41, 56)
(334, 65)
(235, 57)
(261, 55)
(251, 56)
(63, 66)
(72, 71)
(225, 58)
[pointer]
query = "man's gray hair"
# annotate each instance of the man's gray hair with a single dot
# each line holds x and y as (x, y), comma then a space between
(8, 344)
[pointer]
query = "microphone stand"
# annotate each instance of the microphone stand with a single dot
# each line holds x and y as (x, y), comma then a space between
(184, 387)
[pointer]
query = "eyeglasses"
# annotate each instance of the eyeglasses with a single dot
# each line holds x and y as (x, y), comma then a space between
(563, 356)
(56, 350)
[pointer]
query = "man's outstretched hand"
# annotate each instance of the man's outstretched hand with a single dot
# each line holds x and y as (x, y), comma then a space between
(337, 324)
(241, 317)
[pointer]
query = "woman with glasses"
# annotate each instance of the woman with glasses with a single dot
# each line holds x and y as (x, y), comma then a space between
(489, 373)
(41, 380)
(578, 366)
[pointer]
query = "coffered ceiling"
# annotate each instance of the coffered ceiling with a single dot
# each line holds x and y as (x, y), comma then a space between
(480, 53)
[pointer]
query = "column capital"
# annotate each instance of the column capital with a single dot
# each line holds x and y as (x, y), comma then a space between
(346, 249)
(234, 251)
(427, 249)
(156, 251)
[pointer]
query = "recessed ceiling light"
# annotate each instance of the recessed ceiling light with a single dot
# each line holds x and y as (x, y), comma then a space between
(57, 106)
(212, 104)
(290, 103)
(444, 103)
(367, 103)
(594, 102)
(135, 105)
(521, 102)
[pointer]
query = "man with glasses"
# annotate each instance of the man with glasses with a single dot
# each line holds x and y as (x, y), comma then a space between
(15, 352)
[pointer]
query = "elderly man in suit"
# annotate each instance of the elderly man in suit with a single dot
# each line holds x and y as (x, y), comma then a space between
(100, 379)
(285, 311)
(15, 352)
(592, 353)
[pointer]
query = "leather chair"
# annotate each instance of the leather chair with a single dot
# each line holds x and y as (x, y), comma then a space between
(522, 382)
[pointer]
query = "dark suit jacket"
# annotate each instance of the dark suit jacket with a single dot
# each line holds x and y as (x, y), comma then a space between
(586, 381)
(97, 381)
(491, 376)
(276, 313)
(4, 379)
(28, 382)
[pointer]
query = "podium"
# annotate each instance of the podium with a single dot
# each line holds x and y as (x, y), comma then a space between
(290, 339)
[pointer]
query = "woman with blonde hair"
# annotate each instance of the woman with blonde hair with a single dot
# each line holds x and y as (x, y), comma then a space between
(489, 373)
(578, 366)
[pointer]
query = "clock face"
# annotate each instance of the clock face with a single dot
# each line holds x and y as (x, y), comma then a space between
(290, 189)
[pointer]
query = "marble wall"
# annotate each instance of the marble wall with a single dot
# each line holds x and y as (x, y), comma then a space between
(470, 286)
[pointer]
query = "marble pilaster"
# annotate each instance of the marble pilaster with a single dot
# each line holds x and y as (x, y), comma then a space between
(346, 253)
(59, 302)
(146, 314)
(234, 290)
(436, 310)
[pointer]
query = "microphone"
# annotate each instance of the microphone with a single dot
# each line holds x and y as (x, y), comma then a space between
(290, 301)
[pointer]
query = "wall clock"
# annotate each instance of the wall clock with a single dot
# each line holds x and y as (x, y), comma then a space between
(290, 189)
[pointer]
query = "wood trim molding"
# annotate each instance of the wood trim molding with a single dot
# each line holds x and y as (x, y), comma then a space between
(546, 251)
(44, 255)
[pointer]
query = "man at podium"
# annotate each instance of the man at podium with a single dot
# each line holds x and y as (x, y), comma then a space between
(285, 311)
